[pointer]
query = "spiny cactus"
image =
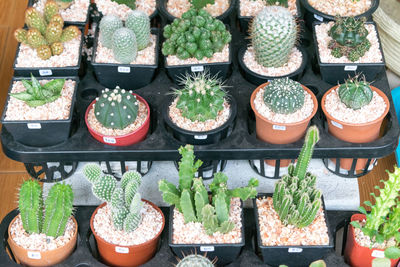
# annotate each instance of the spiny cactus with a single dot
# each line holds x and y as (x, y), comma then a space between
(131, 176)
(51, 9)
(201, 98)
(191, 198)
(296, 199)
(139, 23)
(349, 38)
(108, 25)
(30, 206)
(130, 3)
(36, 94)
(284, 96)
(116, 108)
(273, 35)
(35, 20)
(355, 94)
(195, 260)
(64, 4)
(124, 45)
(92, 172)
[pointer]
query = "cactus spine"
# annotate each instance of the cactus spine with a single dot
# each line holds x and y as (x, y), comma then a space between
(108, 25)
(30, 205)
(355, 94)
(124, 45)
(139, 23)
(195, 260)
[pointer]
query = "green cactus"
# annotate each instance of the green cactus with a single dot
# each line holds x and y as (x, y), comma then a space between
(136, 203)
(124, 45)
(104, 187)
(199, 4)
(118, 208)
(108, 25)
(69, 33)
(349, 38)
(21, 36)
(50, 10)
(132, 221)
(284, 96)
(195, 260)
(30, 205)
(35, 20)
(139, 23)
(273, 35)
(116, 108)
(53, 32)
(129, 176)
(35, 39)
(92, 172)
(130, 3)
(64, 4)
(355, 94)
(130, 191)
(56, 48)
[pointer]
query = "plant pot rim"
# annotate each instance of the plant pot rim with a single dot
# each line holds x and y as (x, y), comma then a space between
(313, 97)
(380, 118)
(297, 16)
(141, 99)
(131, 246)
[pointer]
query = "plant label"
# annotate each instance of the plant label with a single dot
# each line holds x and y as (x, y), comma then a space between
(378, 254)
(34, 125)
(45, 72)
(318, 17)
(197, 68)
(350, 68)
(279, 127)
(124, 69)
(295, 250)
(200, 137)
(206, 248)
(336, 124)
(109, 140)
(123, 250)
(34, 255)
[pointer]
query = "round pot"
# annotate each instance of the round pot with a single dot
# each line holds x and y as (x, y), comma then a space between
(122, 140)
(134, 255)
(42, 258)
(355, 133)
(356, 255)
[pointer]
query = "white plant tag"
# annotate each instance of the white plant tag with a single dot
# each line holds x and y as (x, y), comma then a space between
(45, 72)
(124, 69)
(34, 126)
(279, 127)
(34, 255)
(295, 250)
(318, 17)
(206, 248)
(200, 137)
(123, 250)
(197, 68)
(350, 68)
(336, 124)
(378, 254)
(109, 140)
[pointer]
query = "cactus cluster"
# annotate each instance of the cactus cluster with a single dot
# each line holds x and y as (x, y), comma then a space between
(46, 31)
(36, 94)
(116, 108)
(64, 4)
(195, 260)
(273, 35)
(201, 98)
(50, 218)
(349, 38)
(295, 198)
(130, 3)
(192, 200)
(284, 96)
(125, 201)
(126, 41)
(354, 93)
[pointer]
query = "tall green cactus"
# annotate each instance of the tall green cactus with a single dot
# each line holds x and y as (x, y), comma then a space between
(108, 25)
(139, 23)
(124, 45)
(311, 139)
(355, 94)
(30, 206)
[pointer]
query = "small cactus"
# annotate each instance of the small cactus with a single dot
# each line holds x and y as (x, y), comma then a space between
(69, 33)
(50, 10)
(92, 172)
(53, 32)
(124, 45)
(108, 25)
(139, 23)
(35, 38)
(104, 187)
(30, 206)
(57, 48)
(20, 36)
(129, 176)
(355, 94)
(195, 260)
(35, 20)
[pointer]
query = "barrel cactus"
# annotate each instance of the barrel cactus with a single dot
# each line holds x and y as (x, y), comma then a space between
(124, 45)
(284, 96)
(349, 38)
(108, 25)
(355, 94)
(273, 35)
(195, 260)
(116, 108)
(139, 23)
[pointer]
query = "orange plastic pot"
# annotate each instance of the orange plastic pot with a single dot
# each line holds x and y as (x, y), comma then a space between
(135, 255)
(280, 133)
(355, 133)
(42, 258)
(358, 256)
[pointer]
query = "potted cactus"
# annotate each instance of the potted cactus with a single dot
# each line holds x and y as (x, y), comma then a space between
(355, 111)
(43, 234)
(292, 225)
(126, 227)
(118, 117)
(47, 48)
(39, 112)
(122, 8)
(374, 236)
(125, 56)
(267, 58)
(202, 222)
(196, 42)
(348, 46)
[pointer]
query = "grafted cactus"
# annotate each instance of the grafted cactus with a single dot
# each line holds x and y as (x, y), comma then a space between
(195, 260)
(108, 25)
(139, 23)
(355, 94)
(30, 206)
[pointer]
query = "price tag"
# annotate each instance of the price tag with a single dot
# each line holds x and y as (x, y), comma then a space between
(279, 127)
(206, 248)
(336, 124)
(197, 68)
(34, 125)
(124, 69)
(378, 254)
(318, 17)
(295, 250)
(200, 137)
(123, 250)
(350, 68)
(45, 72)
(34, 255)
(109, 140)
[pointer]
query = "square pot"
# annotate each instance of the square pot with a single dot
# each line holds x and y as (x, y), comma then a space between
(128, 76)
(292, 255)
(334, 73)
(39, 133)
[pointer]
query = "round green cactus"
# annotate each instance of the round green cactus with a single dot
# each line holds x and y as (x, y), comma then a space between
(139, 23)
(195, 260)
(103, 188)
(355, 94)
(108, 25)
(116, 108)
(124, 45)
(284, 96)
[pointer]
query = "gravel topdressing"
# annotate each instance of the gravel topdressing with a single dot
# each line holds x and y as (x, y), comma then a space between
(177, 7)
(365, 241)
(222, 56)
(76, 12)
(344, 8)
(107, 7)
(250, 8)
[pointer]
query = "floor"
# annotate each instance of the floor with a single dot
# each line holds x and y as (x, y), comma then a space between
(12, 173)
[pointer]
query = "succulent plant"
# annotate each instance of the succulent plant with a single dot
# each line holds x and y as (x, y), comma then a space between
(130, 3)
(124, 45)
(191, 197)
(349, 38)
(273, 35)
(108, 25)
(30, 206)
(199, 4)
(92, 172)
(195, 260)
(355, 94)
(37, 94)
(295, 198)
(284, 96)
(64, 4)
(116, 108)
(139, 23)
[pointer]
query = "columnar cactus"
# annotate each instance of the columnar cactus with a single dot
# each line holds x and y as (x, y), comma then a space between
(108, 25)
(284, 96)
(355, 94)
(195, 260)
(349, 38)
(116, 108)
(296, 199)
(273, 35)
(124, 45)
(30, 206)
(139, 23)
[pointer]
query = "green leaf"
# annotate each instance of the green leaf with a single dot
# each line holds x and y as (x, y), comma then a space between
(368, 203)
(28, 85)
(35, 103)
(356, 224)
(52, 98)
(36, 88)
(55, 85)
(362, 210)
(392, 253)
(22, 96)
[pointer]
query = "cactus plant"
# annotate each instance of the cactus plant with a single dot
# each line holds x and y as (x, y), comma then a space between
(139, 23)
(349, 38)
(116, 108)
(201, 98)
(108, 25)
(195, 260)
(284, 96)
(295, 198)
(354, 93)
(51, 9)
(191, 197)
(124, 45)
(273, 35)
(30, 206)
(37, 94)
(129, 3)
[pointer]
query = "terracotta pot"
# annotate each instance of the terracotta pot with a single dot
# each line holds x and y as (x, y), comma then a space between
(134, 255)
(358, 256)
(355, 133)
(42, 258)
(122, 140)
(280, 133)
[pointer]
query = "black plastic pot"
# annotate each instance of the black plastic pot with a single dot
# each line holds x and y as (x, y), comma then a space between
(225, 253)
(200, 138)
(129, 76)
(258, 79)
(334, 73)
(293, 255)
(40, 133)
